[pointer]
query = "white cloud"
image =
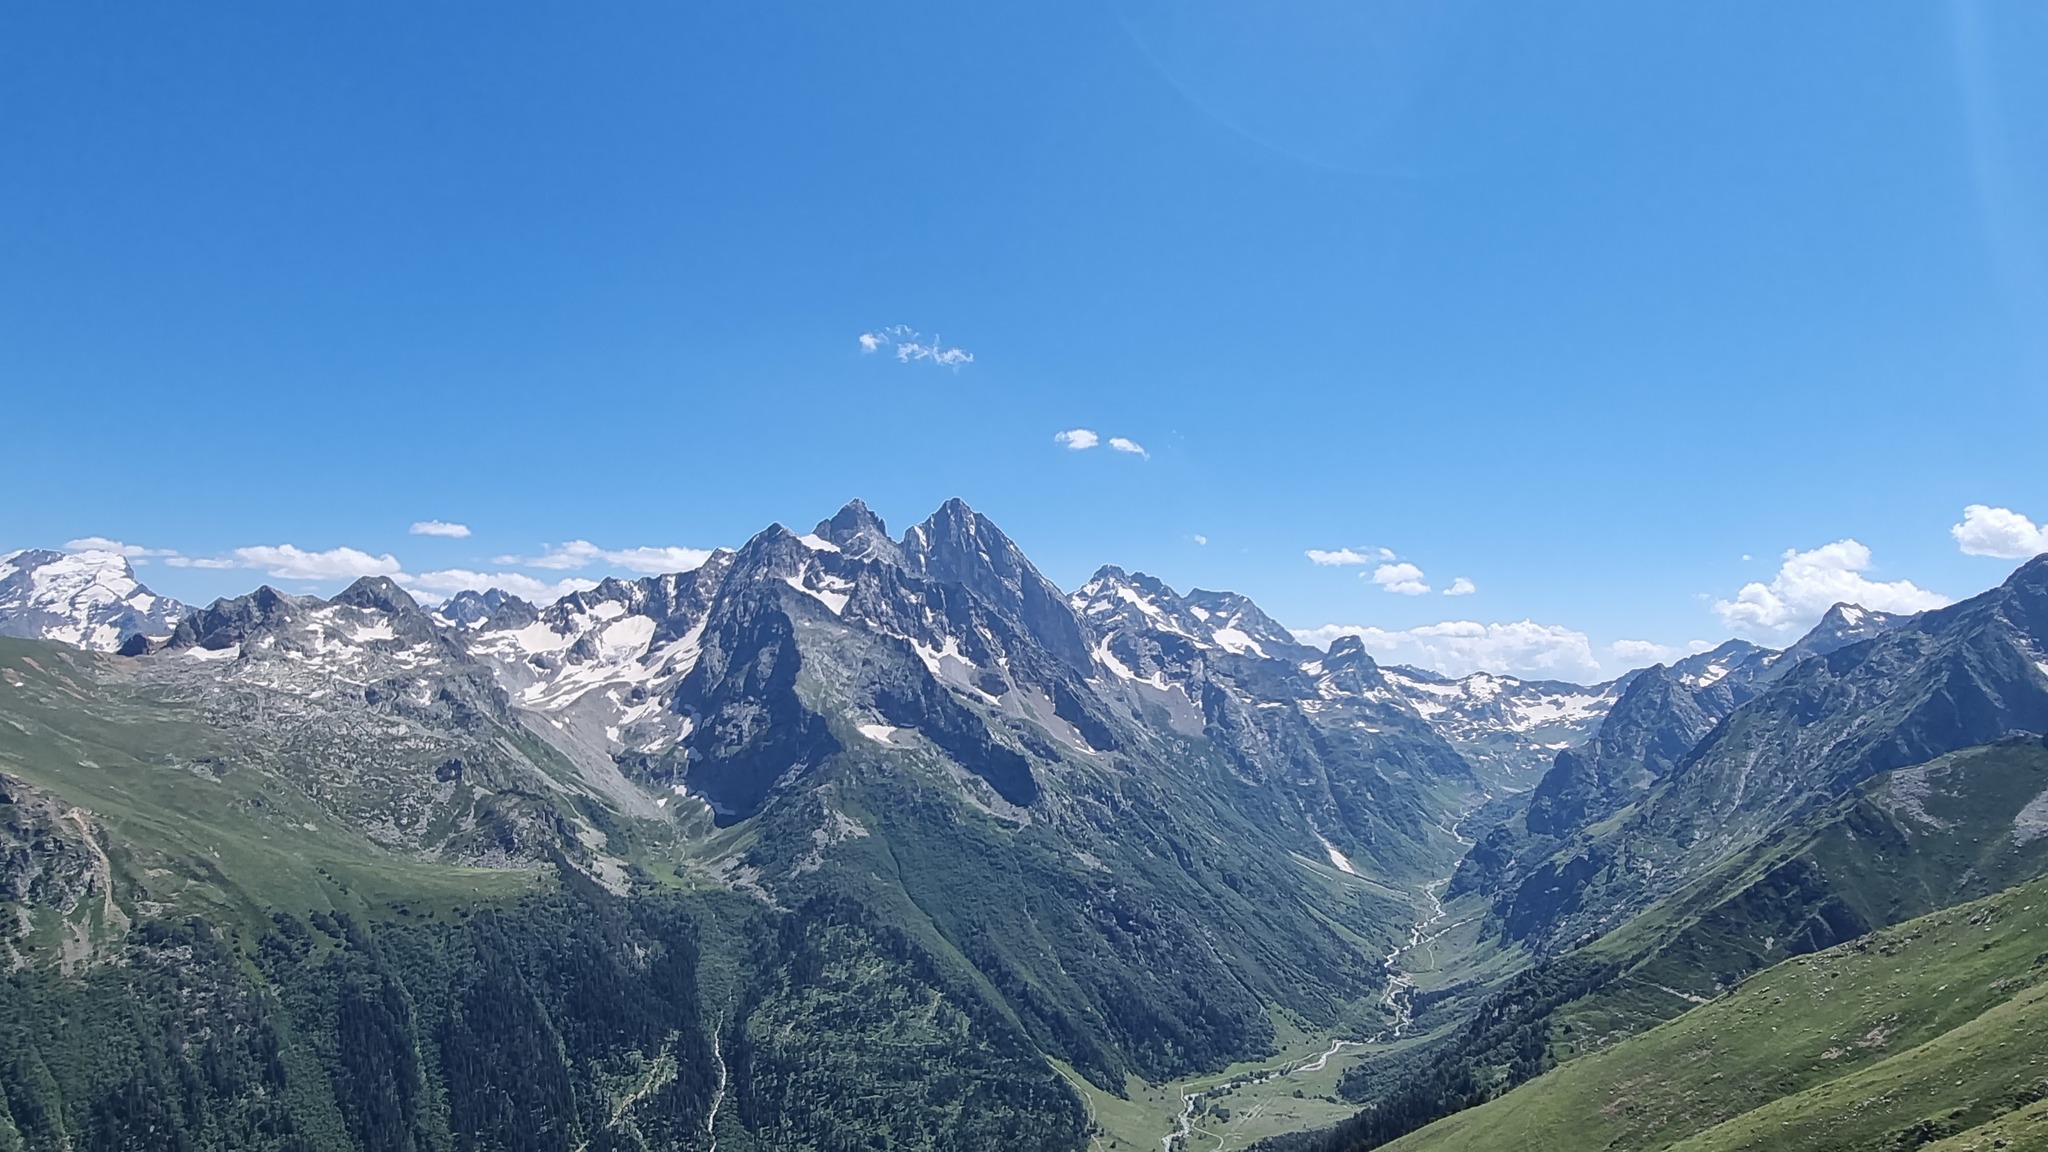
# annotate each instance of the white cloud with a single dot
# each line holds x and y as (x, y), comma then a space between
(448, 581)
(1077, 439)
(583, 554)
(1999, 532)
(1459, 647)
(1462, 586)
(135, 552)
(440, 528)
(1342, 556)
(1201, 539)
(1641, 653)
(1404, 579)
(909, 345)
(288, 562)
(1131, 446)
(1809, 583)
(653, 561)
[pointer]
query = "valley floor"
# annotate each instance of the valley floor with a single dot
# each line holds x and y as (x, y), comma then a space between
(1297, 1089)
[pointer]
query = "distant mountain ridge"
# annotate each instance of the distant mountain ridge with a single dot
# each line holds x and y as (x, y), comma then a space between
(866, 829)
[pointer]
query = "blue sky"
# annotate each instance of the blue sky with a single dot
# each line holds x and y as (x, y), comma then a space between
(1602, 308)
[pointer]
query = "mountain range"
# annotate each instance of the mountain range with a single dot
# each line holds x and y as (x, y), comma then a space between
(875, 840)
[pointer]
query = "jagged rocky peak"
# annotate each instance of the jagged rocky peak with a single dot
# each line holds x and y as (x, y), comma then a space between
(1115, 598)
(1115, 601)
(379, 594)
(1348, 667)
(492, 608)
(88, 598)
(1238, 624)
(957, 545)
(1844, 624)
(229, 621)
(1348, 652)
(1737, 661)
(858, 532)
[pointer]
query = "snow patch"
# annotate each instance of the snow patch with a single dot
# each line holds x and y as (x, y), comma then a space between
(1337, 859)
(833, 599)
(1234, 640)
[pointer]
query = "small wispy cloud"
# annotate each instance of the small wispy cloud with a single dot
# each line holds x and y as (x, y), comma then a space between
(1401, 579)
(289, 562)
(1201, 539)
(582, 554)
(135, 552)
(1640, 653)
(910, 346)
(1345, 557)
(1462, 586)
(1459, 647)
(449, 581)
(439, 528)
(1082, 439)
(1999, 532)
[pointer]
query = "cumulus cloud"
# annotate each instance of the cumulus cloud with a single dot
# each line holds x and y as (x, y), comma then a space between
(439, 528)
(1201, 539)
(1808, 583)
(1344, 556)
(1460, 647)
(1462, 586)
(909, 345)
(1641, 653)
(1402, 579)
(1999, 532)
(135, 552)
(448, 581)
(288, 562)
(582, 554)
(1122, 444)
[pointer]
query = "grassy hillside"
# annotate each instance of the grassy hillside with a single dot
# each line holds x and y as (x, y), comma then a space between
(1907, 843)
(197, 953)
(1913, 1034)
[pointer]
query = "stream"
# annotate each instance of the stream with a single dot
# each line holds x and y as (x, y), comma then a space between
(1399, 997)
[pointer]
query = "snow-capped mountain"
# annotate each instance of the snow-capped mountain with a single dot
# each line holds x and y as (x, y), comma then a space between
(1510, 729)
(89, 599)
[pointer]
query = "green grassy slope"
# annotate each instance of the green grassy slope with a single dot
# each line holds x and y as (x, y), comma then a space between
(1912, 1034)
(1904, 844)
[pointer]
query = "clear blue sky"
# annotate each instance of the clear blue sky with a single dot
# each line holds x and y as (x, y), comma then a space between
(1581, 302)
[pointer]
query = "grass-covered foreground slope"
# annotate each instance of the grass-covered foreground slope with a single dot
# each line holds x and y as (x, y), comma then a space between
(1912, 1034)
